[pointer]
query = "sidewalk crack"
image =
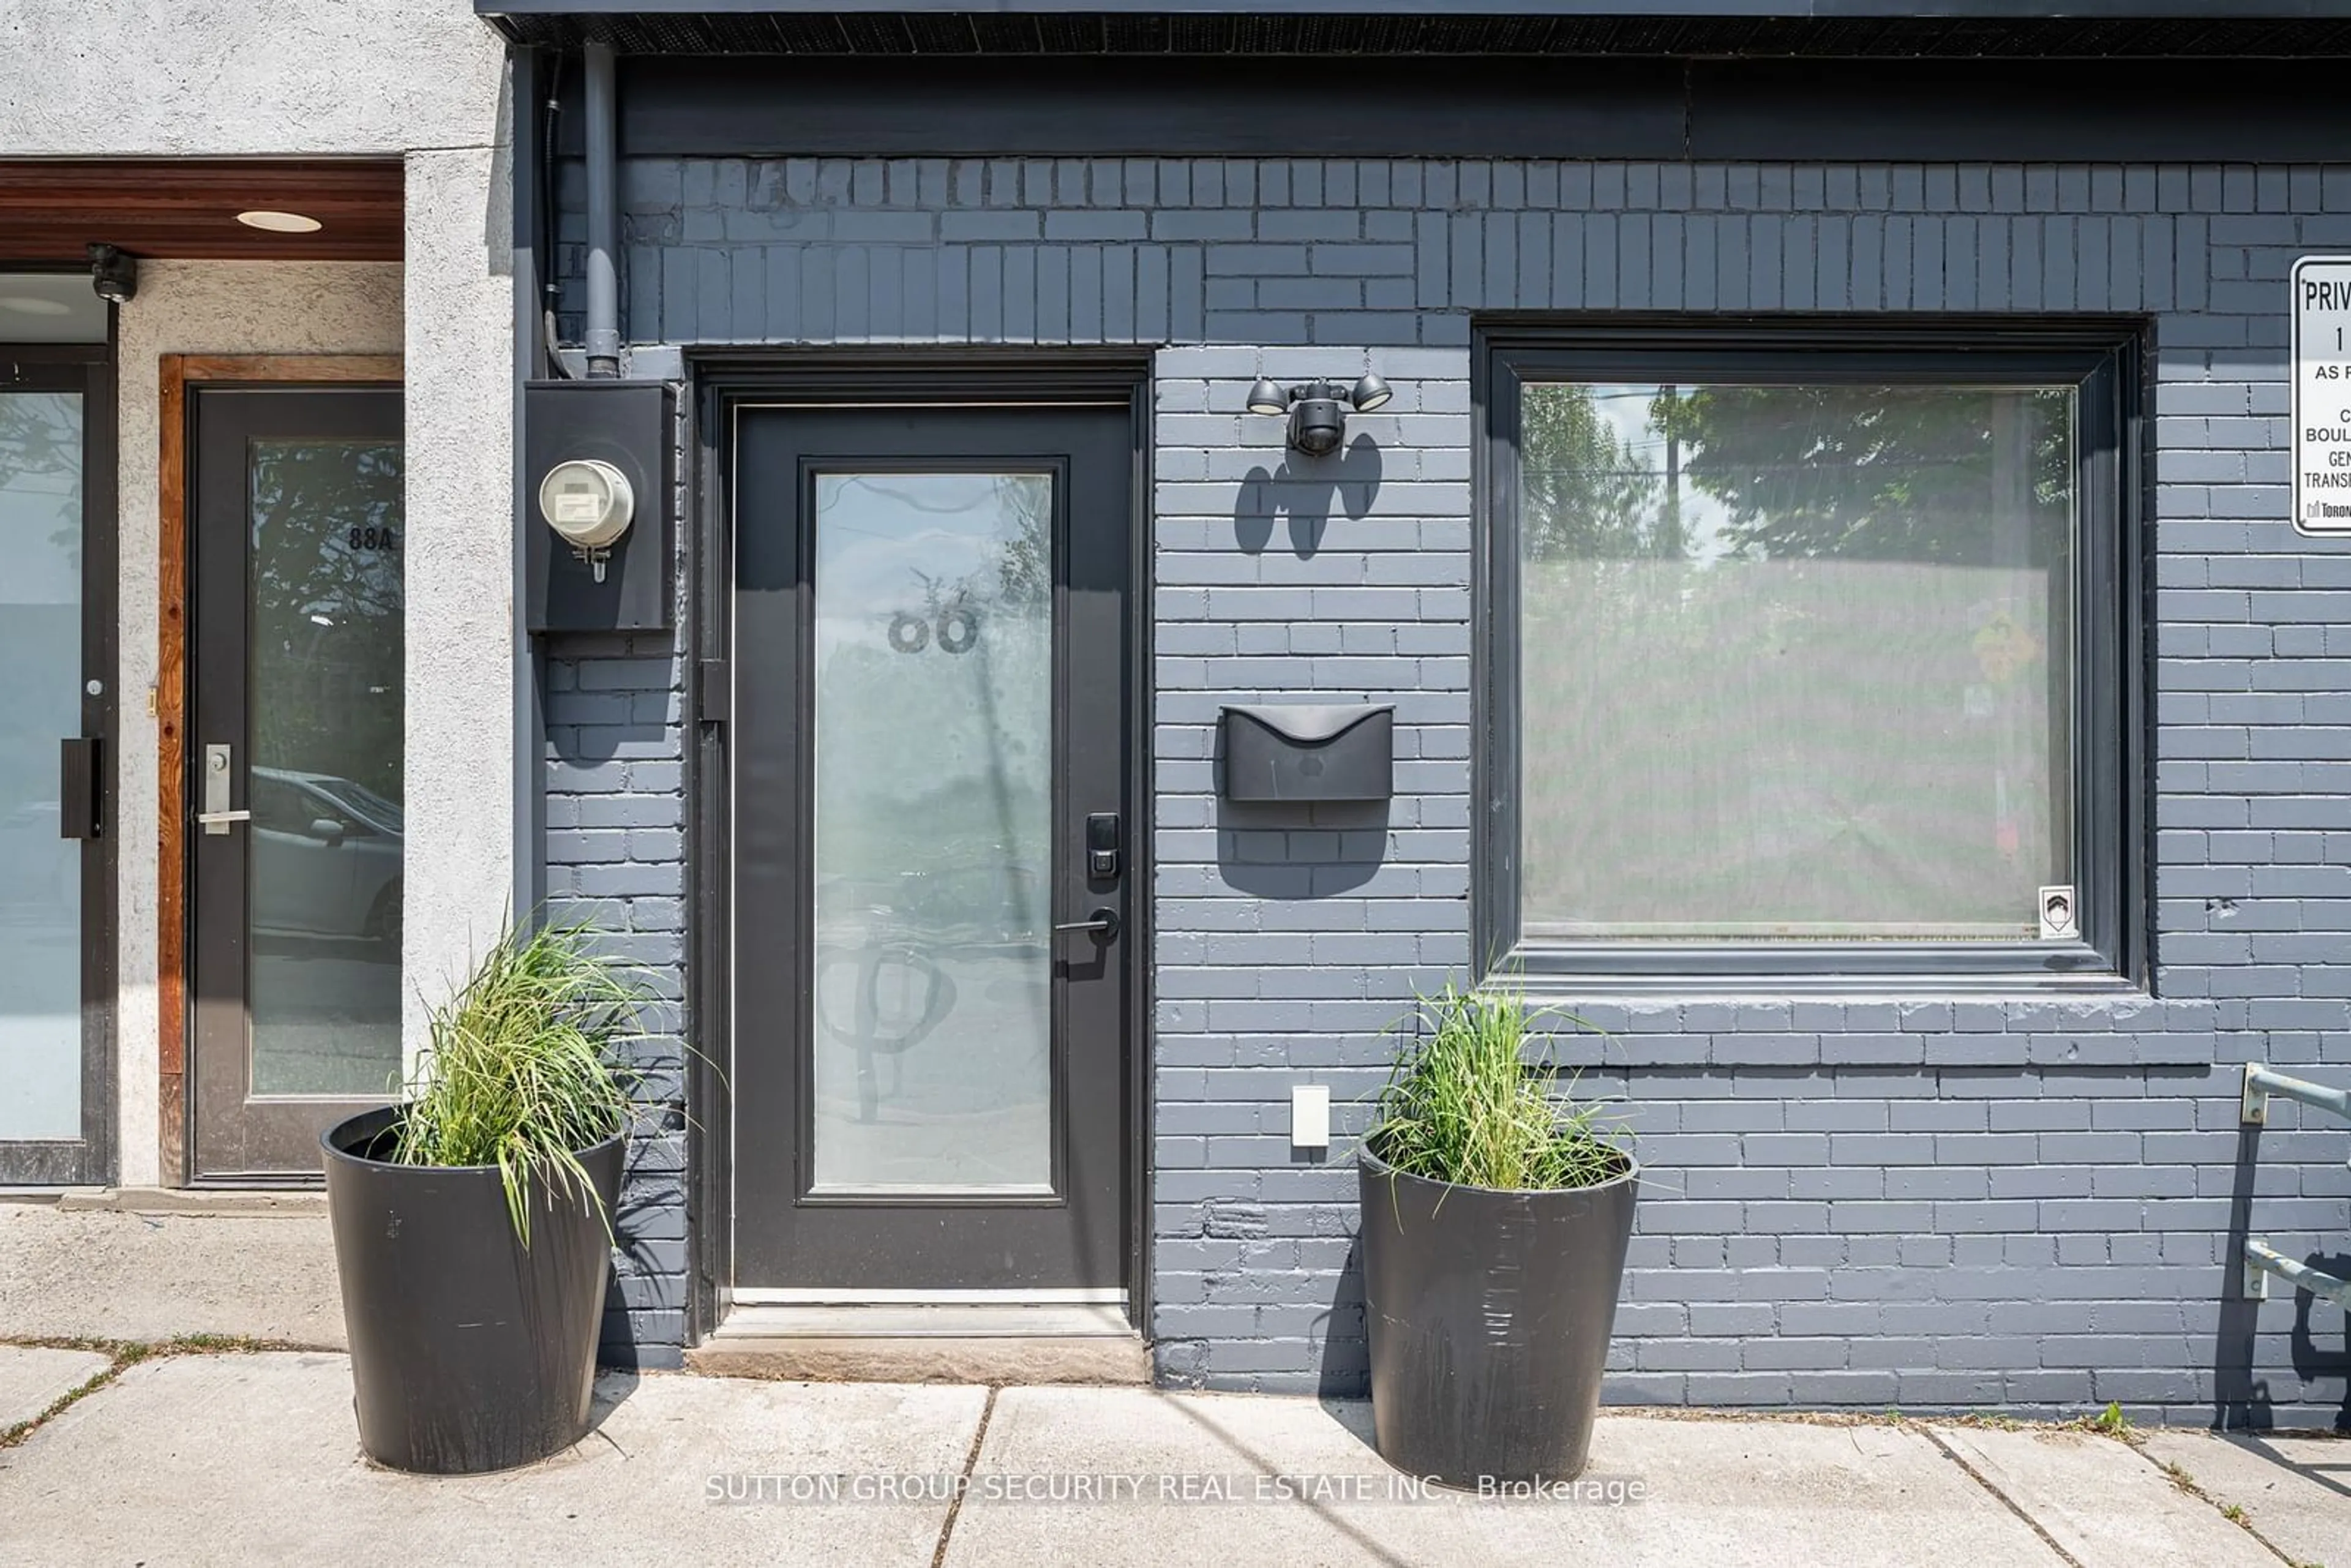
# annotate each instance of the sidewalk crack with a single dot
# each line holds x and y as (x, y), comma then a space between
(2178, 1476)
(2006, 1502)
(123, 1355)
(962, 1485)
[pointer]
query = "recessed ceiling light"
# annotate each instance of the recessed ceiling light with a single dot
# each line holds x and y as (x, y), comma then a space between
(280, 223)
(26, 305)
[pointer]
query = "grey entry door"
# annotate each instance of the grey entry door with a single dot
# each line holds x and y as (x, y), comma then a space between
(294, 768)
(932, 917)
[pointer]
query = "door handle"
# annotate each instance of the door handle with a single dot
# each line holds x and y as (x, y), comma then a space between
(216, 816)
(78, 787)
(1102, 923)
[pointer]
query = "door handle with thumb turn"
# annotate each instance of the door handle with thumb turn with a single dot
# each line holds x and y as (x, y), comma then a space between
(1103, 922)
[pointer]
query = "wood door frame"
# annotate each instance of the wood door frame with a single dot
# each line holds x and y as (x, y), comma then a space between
(179, 375)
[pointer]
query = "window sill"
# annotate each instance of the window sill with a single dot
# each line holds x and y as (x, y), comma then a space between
(1927, 969)
(1761, 1028)
(1826, 1020)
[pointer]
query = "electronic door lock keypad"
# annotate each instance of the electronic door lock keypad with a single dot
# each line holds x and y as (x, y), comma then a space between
(1101, 847)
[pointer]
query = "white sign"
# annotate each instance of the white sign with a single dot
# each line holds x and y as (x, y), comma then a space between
(2321, 395)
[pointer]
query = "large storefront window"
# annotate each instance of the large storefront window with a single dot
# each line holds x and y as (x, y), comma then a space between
(1796, 652)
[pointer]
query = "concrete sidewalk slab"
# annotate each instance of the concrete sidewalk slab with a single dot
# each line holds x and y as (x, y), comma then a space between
(68, 1274)
(2295, 1492)
(1717, 1492)
(32, 1379)
(238, 1459)
(193, 1460)
(2102, 1501)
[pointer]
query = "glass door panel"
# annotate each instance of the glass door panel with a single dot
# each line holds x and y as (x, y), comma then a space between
(934, 832)
(324, 711)
(41, 701)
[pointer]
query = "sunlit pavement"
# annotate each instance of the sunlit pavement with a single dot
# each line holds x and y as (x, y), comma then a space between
(252, 1457)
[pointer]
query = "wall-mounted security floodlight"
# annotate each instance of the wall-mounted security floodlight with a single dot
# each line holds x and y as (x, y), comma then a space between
(1317, 420)
(113, 275)
(588, 502)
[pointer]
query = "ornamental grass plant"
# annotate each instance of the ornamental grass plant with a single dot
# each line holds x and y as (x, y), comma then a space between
(1465, 1104)
(520, 1070)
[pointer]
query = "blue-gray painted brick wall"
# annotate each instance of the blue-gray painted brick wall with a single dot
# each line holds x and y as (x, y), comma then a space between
(614, 711)
(615, 855)
(1931, 1201)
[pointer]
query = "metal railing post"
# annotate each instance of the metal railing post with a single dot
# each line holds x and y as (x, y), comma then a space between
(2262, 1260)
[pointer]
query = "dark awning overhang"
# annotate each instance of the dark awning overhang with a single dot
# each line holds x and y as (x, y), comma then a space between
(1989, 30)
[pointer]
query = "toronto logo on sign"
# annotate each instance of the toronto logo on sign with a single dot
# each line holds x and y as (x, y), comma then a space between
(2322, 394)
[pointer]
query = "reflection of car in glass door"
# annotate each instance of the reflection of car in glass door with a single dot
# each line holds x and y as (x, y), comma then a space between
(325, 857)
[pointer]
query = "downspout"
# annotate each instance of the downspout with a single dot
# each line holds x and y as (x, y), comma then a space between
(604, 216)
(534, 76)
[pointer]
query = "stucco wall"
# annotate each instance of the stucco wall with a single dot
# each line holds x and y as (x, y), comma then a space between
(112, 79)
(1934, 1200)
(447, 311)
(194, 308)
(460, 732)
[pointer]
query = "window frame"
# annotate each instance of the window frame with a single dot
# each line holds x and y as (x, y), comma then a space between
(2103, 358)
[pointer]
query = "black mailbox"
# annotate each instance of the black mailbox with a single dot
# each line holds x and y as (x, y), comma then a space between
(1344, 752)
(619, 429)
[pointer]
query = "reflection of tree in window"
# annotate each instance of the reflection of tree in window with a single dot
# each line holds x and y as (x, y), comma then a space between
(1025, 573)
(1795, 657)
(1936, 474)
(40, 600)
(1585, 492)
(327, 633)
(40, 441)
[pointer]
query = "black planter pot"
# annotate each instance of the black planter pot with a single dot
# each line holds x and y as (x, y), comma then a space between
(468, 1352)
(1488, 1314)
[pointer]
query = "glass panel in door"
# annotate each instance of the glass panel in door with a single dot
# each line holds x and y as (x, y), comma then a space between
(324, 712)
(41, 439)
(933, 832)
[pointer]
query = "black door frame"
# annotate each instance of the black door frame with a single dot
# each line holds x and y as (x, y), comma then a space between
(724, 380)
(89, 369)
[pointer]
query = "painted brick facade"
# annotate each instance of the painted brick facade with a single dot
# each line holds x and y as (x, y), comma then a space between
(615, 853)
(1923, 1202)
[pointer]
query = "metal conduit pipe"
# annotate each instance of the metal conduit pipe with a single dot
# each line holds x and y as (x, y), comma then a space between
(601, 119)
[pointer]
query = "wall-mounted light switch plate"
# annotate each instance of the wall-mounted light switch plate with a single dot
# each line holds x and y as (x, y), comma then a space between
(1309, 1116)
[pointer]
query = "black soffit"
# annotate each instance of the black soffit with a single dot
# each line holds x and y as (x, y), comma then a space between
(1967, 30)
(2029, 111)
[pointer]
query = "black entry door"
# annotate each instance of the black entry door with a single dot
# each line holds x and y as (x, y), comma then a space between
(294, 768)
(931, 875)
